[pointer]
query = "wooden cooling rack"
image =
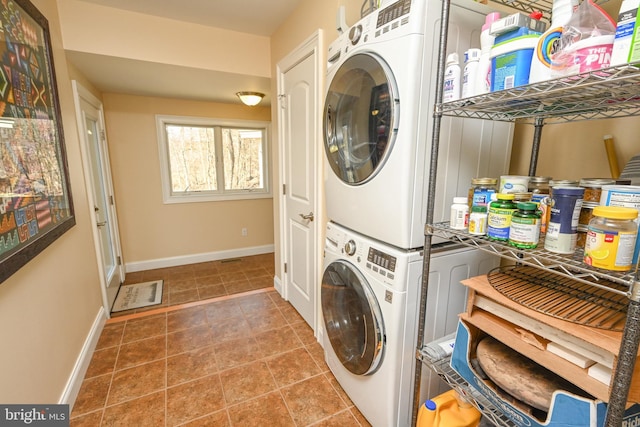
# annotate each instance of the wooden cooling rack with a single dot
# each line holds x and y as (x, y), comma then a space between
(563, 297)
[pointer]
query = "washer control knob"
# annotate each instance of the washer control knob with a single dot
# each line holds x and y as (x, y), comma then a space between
(355, 33)
(350, 247)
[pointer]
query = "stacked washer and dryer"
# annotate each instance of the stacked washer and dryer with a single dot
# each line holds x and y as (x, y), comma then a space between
(377, 132)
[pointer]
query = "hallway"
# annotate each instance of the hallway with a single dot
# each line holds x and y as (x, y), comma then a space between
(202, 281)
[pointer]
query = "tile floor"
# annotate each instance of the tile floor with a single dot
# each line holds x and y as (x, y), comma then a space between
(196, 282)
(245, 359)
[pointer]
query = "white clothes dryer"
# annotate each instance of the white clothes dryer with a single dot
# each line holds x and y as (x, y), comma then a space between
(369, 299)
(377, 123)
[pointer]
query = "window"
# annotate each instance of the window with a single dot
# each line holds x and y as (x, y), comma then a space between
(209, 159)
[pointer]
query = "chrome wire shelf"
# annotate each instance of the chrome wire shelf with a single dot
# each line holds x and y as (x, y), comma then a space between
(443, 368)
(606, 93)
(567, 265)
(544, 6)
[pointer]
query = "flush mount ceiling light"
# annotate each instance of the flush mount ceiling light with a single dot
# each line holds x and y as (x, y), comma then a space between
(250, 98)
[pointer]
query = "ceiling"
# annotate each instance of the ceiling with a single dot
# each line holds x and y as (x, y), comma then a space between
(259, 17)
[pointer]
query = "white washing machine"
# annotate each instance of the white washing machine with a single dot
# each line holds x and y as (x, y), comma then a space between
(377, 122)
(369, 299)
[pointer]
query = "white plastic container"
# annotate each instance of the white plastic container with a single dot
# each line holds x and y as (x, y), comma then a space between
(471, 58)
(483, 75)
(588, 54)
(459, 214)
(514, 184)
(549, 40)
(511, 62)
(451, 79)
(627, 39)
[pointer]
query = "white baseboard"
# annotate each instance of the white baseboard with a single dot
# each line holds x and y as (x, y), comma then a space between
(70, 392)
(131, 267)
(278, 285)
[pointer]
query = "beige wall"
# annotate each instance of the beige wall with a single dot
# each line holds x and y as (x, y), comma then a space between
(576, 150)
(305, 21)
(48, 307)
(151, 230)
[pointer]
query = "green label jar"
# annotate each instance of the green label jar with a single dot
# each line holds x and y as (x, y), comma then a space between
(499, 217)
(524, 231)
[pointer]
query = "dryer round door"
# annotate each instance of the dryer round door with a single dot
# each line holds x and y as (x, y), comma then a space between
(360, 118)
(352, 318)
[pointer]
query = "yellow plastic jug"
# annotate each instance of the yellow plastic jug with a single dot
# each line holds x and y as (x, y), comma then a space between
(448, 410)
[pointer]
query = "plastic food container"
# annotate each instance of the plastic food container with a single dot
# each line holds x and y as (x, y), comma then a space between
(611, 238)
(513, 184)
(562, 227)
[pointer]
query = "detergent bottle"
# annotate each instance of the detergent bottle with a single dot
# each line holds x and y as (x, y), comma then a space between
(549, 40)
(448, 410)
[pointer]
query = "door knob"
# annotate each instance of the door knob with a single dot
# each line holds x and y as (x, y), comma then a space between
(308, 217)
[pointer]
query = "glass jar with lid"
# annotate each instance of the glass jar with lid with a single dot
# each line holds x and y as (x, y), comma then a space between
(539, 187)
(593, 188)
(481, 190)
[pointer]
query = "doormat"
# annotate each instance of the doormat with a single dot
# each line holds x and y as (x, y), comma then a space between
(138, 295)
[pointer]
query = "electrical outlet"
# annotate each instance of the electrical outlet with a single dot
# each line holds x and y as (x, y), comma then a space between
(243, 232)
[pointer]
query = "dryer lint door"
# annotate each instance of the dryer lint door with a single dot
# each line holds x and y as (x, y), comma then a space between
(352, 318)
(360, 118)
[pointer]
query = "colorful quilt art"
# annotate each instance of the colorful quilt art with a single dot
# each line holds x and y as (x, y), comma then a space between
(34, 197)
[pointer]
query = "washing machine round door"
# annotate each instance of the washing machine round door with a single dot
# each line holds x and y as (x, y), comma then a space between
(360, 118)
(352, 318)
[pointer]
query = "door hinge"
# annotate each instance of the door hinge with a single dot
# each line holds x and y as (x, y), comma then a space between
(119, 260)
(284, 189)
(111, 199)
(285, 267)
(103, 135)
(283, 101)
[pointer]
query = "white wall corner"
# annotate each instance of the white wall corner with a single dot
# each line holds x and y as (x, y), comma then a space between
(74, 383)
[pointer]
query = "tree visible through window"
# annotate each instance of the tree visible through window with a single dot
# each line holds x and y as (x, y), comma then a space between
(242, 159)
(192, 156)
(210, 160)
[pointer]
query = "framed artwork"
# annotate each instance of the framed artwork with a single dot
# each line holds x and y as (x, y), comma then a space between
(35, 200)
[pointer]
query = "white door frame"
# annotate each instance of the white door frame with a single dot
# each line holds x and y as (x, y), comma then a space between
(313, 45)
(79, 92)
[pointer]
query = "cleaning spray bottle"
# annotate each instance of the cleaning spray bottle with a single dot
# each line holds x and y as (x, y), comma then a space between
(470, 72)
(483, 74)
(451, 79)
(448, 410)
(549, 40)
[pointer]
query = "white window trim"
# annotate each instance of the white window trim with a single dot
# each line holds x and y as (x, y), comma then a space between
(165, 173)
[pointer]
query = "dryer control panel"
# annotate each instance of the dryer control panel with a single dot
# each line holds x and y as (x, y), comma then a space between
(393, 12)
(382, 259)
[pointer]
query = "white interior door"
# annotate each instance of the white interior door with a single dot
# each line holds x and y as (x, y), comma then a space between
(298, 89)
(98, 179)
